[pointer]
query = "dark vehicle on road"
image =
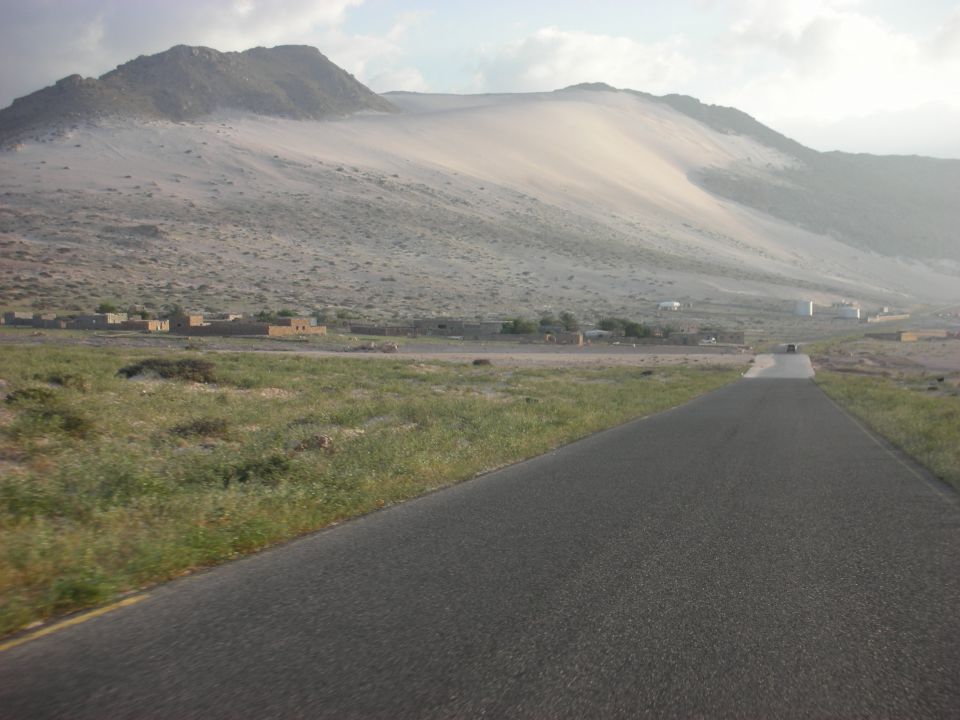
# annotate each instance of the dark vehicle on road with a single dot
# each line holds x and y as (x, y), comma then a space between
(791, 347)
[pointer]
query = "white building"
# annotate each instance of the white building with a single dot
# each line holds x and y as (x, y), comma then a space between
(668, 305)
(804, 308)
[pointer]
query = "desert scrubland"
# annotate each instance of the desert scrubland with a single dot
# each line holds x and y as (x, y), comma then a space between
(486, 205)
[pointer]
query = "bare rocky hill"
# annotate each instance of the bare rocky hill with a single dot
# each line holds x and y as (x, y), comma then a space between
(186, 83)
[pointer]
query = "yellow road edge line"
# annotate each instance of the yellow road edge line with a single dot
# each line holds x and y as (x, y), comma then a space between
(76, 620)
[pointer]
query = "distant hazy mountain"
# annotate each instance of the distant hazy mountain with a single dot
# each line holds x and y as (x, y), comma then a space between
(185, 83)
(904, 206)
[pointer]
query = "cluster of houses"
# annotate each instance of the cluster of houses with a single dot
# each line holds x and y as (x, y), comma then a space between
(455, 328)
(92, 321)
(845, 310)
(230, 325)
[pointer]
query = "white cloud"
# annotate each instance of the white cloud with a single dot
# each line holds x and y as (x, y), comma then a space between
(813, 68)
(824, 60)
(377, 60)
(947, 41)
(404, 78)
(552, 58)
(791, 63)
(239, 25)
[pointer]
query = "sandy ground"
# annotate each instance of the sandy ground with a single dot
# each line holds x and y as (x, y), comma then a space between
(933, 355)
(884, 357)
(493, 205)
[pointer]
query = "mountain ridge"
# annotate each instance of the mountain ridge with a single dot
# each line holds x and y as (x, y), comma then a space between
(875, 202)
(187, 83)
(721, 118)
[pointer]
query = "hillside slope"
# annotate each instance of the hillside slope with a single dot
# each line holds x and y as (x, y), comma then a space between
(478, 205)
(901, 206)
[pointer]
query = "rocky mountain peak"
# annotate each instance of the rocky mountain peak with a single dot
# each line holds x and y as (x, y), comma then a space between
(187, 83)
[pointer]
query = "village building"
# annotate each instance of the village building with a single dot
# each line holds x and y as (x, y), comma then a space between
(451, 327)
(37, 320)
(49, 321)
(149, 326)
(97, 321)
(283, 327)
(182, 324)
(881, 317)
(911, 335)
(21, 319)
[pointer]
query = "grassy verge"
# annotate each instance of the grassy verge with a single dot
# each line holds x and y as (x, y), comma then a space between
(924, 424)
(109, 483)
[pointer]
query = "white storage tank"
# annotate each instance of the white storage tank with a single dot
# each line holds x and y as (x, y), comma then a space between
(804, 308)
(849, 312)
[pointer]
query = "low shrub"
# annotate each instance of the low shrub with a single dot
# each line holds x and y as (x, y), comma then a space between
(264, 470)
(189, 369)
(78, 590)
(205, 427)
(31, 395)
(46, 419)
(43, 412)
(67, 380)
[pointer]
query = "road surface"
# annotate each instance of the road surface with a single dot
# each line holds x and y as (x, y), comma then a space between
(792, 366)
(754, 553)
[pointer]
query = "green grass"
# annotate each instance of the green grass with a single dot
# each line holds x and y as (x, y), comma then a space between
(108, 484)
(923, 424)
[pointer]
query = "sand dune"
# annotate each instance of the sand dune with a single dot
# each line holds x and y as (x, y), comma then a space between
(477, 205)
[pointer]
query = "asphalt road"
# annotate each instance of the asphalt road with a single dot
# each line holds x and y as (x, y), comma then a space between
(753, 553)
(781, 366)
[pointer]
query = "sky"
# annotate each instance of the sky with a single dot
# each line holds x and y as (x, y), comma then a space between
(880, 76)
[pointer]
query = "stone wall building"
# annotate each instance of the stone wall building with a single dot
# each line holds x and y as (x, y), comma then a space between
(97, 321)
(182, 324)
(49, 321)
(194, 325)
(21, 319)
(146, 325)
(911, 335)
(452, 327)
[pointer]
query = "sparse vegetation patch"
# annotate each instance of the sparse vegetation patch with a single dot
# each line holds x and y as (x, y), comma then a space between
(904, 410)
(204, 427)
(112, 485)
(190, 369)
